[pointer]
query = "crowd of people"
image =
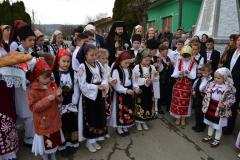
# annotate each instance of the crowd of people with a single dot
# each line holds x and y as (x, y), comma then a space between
(64, 95)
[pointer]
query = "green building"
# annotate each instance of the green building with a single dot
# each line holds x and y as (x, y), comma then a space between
(167, 13)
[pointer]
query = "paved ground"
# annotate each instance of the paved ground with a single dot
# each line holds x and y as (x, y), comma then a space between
(163, 142)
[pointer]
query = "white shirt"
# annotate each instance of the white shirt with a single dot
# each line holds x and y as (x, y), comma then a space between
(75, 63)
(201, 62)
(209, 54)
(174, 56)
(234, 59)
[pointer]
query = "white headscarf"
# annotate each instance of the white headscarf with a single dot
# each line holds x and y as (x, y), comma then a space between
(225, 72)
(90, 27)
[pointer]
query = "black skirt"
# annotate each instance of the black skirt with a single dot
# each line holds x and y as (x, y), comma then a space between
(144, 108)
(70, 127)
(94, 117)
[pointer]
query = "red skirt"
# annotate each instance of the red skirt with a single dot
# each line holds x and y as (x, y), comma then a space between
(181, 97)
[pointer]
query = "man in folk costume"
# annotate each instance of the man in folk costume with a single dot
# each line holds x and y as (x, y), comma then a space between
(117, 40)
(184, 72)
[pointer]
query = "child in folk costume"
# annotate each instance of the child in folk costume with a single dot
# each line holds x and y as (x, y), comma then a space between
(92, 110)
(184, 72)
(144, 74)
(165, 79)
(27, 38)
(44, 98)
(219, 98)
(123, 105)
(199, 89)
(103, 55)
(64, 78)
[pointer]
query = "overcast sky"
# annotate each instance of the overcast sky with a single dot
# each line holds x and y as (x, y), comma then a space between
(67, 11)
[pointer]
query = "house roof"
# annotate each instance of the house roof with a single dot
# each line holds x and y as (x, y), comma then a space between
(157, 2)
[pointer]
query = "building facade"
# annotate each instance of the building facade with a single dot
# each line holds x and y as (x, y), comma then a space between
(165, 13)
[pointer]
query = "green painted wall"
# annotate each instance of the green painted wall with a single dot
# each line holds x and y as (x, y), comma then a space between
(191, 10)
(190, 13)
(164, 10)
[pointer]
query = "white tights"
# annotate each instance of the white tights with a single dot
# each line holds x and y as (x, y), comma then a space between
(218, 133)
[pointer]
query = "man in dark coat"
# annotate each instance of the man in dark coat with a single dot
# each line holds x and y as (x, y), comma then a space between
(233, 63)
(117, 40)
(211, 55)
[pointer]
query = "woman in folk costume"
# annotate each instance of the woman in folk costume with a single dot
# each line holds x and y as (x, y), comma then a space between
(57, 43)
(92, 110)
(184, 72)
(144, 75)
(64, 78)
(122, 116)
(44, 98)
(10, 77)
(217, 102)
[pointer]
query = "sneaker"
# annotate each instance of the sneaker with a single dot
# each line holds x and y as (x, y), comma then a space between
(107, 136)
(97, 146)
(91, 147)
(120, 132)
(125, 130)
(207, 139)
(139, 127)
(145, 126)
(215, 143)
(238, 155)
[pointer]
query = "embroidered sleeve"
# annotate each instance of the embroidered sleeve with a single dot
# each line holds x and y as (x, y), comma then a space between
(89, 90)
(118, 87)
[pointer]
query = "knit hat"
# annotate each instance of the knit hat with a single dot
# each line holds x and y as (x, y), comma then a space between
(38, 34)
(138, 26)
(40, 68)
(90, 27)
(3, 27)
(25, 32)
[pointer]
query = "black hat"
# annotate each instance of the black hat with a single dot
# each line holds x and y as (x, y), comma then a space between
(119, 24)
(79, 29)
(25, 32)
(152, 44)
(136, 37)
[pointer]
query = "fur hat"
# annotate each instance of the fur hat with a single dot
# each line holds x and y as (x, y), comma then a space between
(25, 32)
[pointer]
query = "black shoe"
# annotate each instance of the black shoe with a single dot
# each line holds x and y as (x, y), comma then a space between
(199, 129)
(161, 112)
(126, 133)
(194, 128)
(121, 134)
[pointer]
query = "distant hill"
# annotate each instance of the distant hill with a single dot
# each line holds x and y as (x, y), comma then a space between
(48, 29)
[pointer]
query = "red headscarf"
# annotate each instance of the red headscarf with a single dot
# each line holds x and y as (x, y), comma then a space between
(61, 52)
(17, 24)
(40, 68)
(123, 56)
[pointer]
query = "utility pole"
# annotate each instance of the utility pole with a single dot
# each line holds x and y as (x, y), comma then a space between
(180, 4)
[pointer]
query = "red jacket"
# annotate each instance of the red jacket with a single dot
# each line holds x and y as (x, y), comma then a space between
(46, 115)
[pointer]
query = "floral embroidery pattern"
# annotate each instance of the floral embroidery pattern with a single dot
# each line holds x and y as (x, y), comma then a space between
(8, 135)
